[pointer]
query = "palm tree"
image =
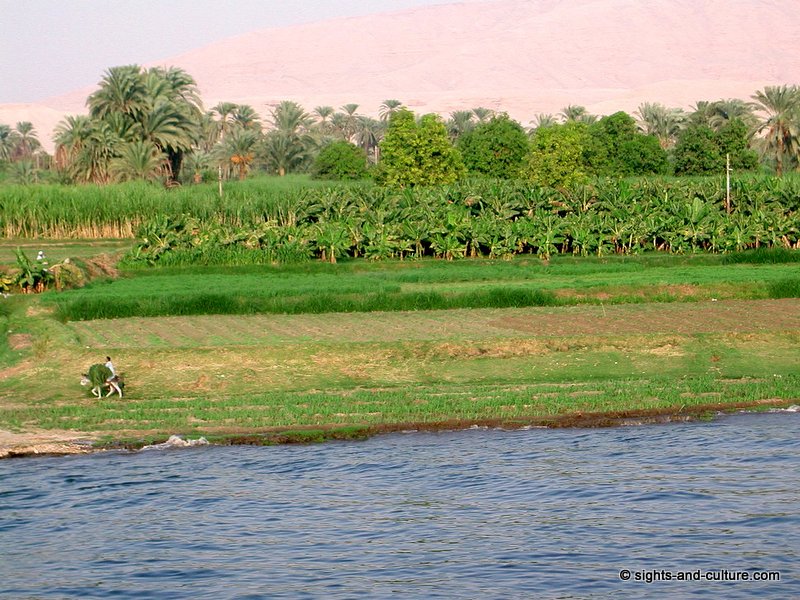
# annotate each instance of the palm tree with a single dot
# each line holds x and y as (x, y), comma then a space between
(291, 118)
(574, 113)
(350, 120)
(27, 141)
(238, 150)
(93, 162)
(140, 159)
(387, 108)
(71, 135)
(664, 123)
(246, 117)
(7, 142)
(780, 127)
(225, 112)
(369, 134)
(482, 114)
(544, 120)
(122, 90)
(287, 147)
(725, 111)
(282, 152)
(459, 123)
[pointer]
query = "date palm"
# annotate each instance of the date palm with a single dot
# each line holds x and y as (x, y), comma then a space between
(350, 121)
(7, 142)
(726, 111)
(245, 117)
(660, 121)
(224, 112)
(368, 135)
(71, 135)
(122, 90)
(387, 108)
(482, 114)
(27, 142)
(459, 123)
(238, 151)
(574, 113)
(544, 120)
(780, 126)
(140, 159)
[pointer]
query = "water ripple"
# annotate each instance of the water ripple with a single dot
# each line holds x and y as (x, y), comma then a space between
(480, 513)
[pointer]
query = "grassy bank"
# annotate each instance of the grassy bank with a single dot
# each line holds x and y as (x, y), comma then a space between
(604, 346)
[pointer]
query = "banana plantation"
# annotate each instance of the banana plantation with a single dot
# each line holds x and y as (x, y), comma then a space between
(494, 219)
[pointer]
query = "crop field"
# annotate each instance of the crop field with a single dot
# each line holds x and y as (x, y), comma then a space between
(637, 335)
(58, 250)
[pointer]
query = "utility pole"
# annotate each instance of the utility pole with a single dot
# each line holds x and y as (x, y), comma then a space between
(219, 178)
(728, 183)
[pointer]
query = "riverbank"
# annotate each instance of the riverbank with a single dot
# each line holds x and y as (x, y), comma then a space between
(14, 445)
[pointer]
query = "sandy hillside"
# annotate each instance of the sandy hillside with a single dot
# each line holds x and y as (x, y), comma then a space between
(522, 56)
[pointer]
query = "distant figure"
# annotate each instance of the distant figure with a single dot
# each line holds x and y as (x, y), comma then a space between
(110, 366)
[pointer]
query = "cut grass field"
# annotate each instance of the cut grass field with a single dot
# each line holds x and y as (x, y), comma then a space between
(620, 356)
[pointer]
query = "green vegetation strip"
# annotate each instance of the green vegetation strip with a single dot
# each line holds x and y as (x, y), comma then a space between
(416, 405)
(422, 285)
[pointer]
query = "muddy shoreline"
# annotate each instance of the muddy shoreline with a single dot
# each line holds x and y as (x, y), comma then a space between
(13, 445)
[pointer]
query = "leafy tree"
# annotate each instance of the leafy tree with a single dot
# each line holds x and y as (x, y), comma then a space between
(617, 149)
(697, 152)
(702, 151)
(556, 157)
(733, 139)
(340, 160)
(418, 153)
(496, 148)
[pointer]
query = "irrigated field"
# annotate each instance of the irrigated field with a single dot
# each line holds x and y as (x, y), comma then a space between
(720, 342)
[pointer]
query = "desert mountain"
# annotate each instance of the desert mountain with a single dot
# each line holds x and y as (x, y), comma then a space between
(522, 56)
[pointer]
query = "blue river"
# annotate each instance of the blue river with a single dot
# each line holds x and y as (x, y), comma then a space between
(661, 511)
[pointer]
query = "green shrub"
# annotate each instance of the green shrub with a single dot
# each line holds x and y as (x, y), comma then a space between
(340, 160)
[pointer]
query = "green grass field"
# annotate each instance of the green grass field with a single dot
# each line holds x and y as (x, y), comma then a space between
(359, 286)
(624, 335)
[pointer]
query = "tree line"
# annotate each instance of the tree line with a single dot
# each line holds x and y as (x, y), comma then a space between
(150, 124)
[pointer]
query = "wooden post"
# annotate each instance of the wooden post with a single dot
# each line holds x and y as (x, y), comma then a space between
(728, 183)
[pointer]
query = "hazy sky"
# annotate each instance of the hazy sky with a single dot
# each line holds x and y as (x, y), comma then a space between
(50, 47)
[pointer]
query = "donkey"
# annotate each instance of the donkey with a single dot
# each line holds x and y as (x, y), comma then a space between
(100, 377)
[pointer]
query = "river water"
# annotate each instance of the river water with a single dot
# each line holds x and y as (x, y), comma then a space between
(471, 514)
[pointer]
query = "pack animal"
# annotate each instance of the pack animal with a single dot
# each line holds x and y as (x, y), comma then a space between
(100, 378)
